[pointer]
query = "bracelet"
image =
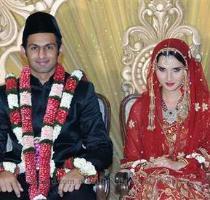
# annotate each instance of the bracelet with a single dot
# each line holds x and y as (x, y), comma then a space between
(9, 166)
(60, 173)
(85, 167)
(136, 163)
(91, 179)
(197, 156)
(183, 160)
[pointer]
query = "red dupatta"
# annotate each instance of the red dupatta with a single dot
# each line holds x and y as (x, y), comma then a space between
(196, 125)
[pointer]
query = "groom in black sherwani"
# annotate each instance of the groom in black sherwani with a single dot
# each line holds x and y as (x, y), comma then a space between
(81, 132)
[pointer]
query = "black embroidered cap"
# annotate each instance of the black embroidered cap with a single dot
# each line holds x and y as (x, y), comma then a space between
(40, 22)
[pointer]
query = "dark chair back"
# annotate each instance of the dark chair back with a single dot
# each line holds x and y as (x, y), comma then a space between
(103, 185)
(105, 110)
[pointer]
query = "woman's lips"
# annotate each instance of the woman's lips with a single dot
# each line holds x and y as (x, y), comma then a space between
(170, 84)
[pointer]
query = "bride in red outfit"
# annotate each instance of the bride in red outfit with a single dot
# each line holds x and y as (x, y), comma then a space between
(167, 147)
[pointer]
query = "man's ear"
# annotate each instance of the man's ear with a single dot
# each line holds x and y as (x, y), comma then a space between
(22, 51)
(61, 49)
(60, 55)
(23, 55)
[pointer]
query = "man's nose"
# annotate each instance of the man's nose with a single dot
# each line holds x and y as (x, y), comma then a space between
(42, 52)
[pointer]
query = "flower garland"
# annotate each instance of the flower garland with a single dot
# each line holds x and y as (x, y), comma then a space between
(55, 116)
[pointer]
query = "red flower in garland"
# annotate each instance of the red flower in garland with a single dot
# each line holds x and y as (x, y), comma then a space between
(59, 75)
(61, 116)
(51, 111)
(26, 124)
(11, 83)
(15, 117)
(71, 84)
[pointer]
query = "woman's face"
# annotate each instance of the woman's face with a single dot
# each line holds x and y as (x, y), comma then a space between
(170, 72)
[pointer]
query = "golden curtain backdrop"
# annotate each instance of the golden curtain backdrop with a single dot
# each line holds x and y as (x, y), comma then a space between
(92, 36)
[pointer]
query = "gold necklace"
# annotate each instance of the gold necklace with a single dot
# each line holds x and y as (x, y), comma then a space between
(170, 115)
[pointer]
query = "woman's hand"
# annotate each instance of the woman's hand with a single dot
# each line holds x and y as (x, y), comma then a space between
(168, 163)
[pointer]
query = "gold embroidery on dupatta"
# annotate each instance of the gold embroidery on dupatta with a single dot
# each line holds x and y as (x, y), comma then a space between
(170, 132)
(160, 185)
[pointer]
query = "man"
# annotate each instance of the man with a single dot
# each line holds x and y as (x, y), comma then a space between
(49, 118)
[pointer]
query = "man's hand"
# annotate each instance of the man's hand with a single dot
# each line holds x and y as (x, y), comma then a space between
(9, 183)
(70, 182)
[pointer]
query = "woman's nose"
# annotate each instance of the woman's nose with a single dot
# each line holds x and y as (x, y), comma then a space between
(169, 76)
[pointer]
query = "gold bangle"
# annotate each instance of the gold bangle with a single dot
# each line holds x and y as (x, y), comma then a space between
(183, 160)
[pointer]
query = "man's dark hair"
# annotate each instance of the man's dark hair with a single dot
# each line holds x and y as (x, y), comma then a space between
(41, 22)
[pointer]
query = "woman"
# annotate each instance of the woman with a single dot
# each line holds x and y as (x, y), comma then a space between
(168, 132)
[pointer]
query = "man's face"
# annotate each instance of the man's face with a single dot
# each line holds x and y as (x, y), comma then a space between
(42, 53)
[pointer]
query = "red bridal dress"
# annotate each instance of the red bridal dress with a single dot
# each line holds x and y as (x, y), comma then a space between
(150, 136)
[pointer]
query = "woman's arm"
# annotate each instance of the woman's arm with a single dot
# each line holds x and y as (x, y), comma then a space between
(133, 144)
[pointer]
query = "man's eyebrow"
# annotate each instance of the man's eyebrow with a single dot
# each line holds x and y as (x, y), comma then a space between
(34, 44)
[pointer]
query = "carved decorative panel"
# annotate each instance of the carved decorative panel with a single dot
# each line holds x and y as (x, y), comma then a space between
(158, 19)
(10, 32)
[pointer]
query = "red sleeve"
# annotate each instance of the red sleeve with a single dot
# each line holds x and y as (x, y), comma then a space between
(204, 150)
(133, 144)
(206, 142)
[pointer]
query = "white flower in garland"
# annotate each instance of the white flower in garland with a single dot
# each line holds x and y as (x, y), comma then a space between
(47, 133)
(25, 98)
(10, 75)
(28, 142)
(39, 197)
(56, 131)
(52, 166)
(77, 73)
(56, 90)
(66, 98)
(18, 133)
(12, 101)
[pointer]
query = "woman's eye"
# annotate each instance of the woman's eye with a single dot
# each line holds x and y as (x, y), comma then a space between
(177, 69)
(162, 69)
